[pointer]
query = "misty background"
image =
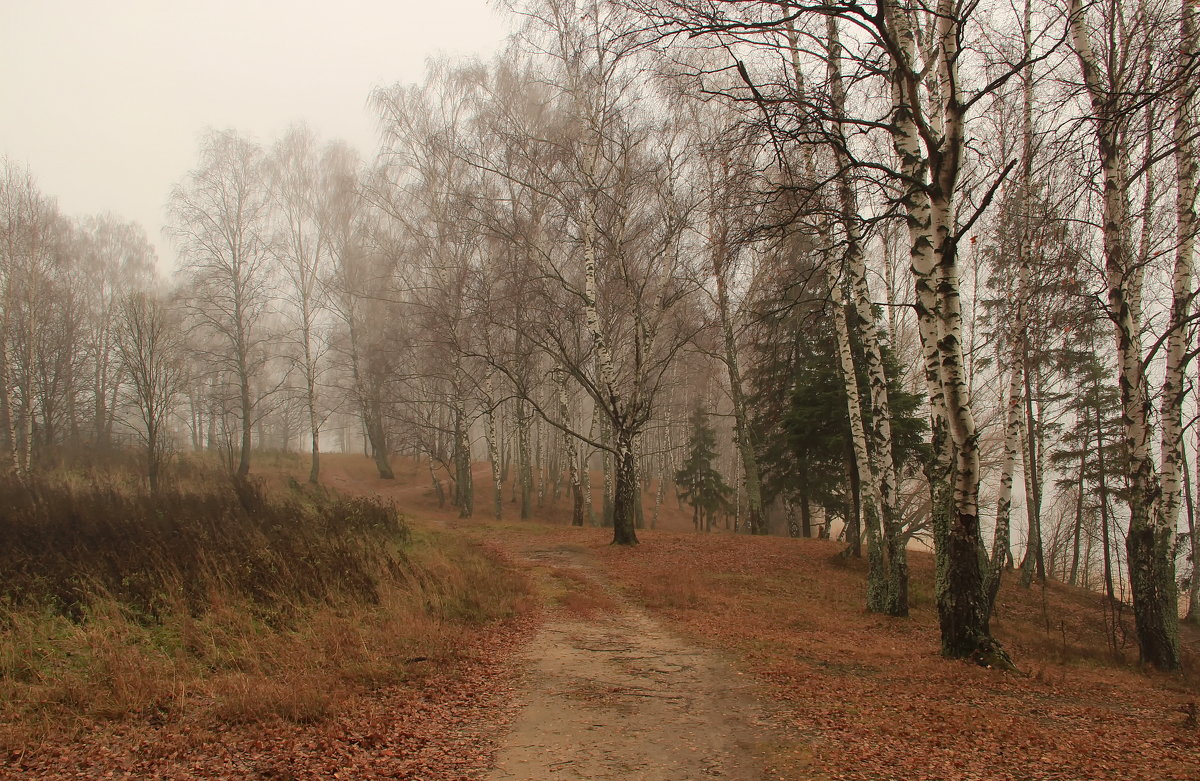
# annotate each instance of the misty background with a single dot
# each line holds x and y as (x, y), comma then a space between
(107, 100)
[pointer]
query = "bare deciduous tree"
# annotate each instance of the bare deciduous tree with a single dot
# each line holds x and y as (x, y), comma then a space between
(149, 340)
(219, 218)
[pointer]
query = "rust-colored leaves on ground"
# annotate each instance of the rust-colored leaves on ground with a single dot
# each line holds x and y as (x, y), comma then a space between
(857, 696)
(442, 726)
(875, 698)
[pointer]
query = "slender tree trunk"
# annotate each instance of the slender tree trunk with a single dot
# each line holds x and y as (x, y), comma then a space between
(493, 451)
(369, 404)
(805, 529)
(607, 460)
(1078, 530)
(100, 389)
(853, 532)
(1025, 579)
(7, 406)
(879, 596)
(863, 325)
(243, 468)
(1150, 543)
(433, 478)
(153, 451)
(1033, 561)
(1187, 181)
(660, 490)
(570, 452)
(1193, 611)
(539, 459)
(377, 435)
(743, 431)
(1012, 437)
(464, 484)
(1104, 521)
(585, 478)
(524, 468)
(314, 418)
(1191, 617)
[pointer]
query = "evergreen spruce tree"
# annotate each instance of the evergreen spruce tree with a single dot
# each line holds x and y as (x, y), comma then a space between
(700, 484)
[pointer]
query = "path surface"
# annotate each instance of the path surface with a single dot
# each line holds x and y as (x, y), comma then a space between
(618, 697)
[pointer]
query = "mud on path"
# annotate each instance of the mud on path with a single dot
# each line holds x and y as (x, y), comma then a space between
(617, 696)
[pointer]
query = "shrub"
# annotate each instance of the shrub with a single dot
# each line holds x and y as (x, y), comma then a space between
(68, 539)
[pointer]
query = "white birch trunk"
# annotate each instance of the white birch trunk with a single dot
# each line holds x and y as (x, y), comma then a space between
(570, 452)
(1181, 283)
(932, 179)
(878, 595)
(865, 326)
(1150, 543)
(1012, 440)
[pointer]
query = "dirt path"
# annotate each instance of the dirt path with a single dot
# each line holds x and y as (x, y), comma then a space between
(616, 696)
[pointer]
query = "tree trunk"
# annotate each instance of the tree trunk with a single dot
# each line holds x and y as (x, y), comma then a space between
(377, 435)
(570, 452)
(862, 324)
(743, 432)
(314, 472)
(464, 484)
(1032, 561)
(433, 478)
(1150, 543)
(789, 513)
(7, 406)
(930, 208)
(1187, 181)
(1189, 510)
(493, 451)
(626, 489)
(524, 468)
(243, 468)
(880, 598)
(539, 459)
(1012, 436)
(805, 502)
(1077, 532)
(607, 509)
(585, 479)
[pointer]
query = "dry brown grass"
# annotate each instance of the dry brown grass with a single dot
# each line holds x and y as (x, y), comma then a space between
(273, 648)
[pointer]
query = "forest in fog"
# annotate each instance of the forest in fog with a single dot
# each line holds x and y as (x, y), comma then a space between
(903, 275)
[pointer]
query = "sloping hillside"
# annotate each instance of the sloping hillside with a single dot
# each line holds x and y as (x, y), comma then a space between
(871, 695)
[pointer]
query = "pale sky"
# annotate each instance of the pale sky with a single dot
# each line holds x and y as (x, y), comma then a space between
(105, 99)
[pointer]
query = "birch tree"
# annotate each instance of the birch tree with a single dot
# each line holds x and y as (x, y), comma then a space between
(615, 185)
(149, 341)
(298, 186)
(1110, 78)
(219, 219)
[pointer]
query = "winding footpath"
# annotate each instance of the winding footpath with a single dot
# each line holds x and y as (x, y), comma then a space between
(616, 696)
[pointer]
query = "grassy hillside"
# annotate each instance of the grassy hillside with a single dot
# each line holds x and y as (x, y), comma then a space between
(216, 602)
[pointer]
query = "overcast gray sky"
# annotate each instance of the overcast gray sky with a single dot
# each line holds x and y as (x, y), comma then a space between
(105, 99)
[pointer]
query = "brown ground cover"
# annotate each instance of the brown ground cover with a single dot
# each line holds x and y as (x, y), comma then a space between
(854, 695)
(875, 697)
